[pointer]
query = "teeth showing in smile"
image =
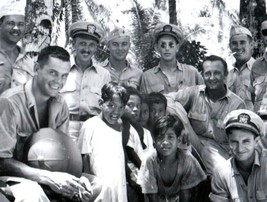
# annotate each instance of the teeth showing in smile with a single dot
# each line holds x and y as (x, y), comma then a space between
(54, 87)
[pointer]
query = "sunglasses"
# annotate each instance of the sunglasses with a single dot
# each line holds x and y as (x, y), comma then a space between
(264, 32)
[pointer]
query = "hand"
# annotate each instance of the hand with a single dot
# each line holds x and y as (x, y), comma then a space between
(64, 183)
(87, 191)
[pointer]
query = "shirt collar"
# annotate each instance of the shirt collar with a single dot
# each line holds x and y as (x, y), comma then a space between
(29, 94)
(179, 67)
(248, 65)
(21, 50)
(227, 95)
(30, 99)
(256, 163)
(74, 66)
(106, 63)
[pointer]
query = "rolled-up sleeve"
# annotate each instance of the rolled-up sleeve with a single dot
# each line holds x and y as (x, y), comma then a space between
(7, 129)
(219, 188)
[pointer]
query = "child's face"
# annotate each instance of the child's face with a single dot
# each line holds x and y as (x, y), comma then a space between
(133, 107)
(112, 110)
(157, 110)
(144, 115)
(166, 144)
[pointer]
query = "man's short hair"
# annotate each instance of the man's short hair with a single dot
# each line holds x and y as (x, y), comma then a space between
(55, 52)
(214, 58)
(2, 19)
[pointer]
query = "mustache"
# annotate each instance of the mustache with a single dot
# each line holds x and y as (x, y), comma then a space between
(15, 31)
(84, 51)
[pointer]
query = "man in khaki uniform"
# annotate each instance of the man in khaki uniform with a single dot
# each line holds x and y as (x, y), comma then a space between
(82, 90)
(118, 42)
(238, 79)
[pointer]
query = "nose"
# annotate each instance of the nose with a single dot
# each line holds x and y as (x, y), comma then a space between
(165, 142)
(58, 80)
(16, 27)
(212, 76)
(240, 148)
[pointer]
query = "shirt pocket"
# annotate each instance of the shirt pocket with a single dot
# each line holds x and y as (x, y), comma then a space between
(261, 195)
(200, 123)
(260, 87)
(197, 116)
(95, 90)
(157, 87)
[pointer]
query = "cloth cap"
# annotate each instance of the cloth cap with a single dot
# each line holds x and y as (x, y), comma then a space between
(117, 33)
(167, 29)
(13, 7)
(91, 29)
(237, 29)
(246, 119)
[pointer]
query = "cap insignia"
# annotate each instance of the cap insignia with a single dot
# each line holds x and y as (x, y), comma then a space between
(167, 28)
(244, 118)
(91, 29)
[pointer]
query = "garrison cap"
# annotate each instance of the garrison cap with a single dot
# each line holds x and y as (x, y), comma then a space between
(93, 30)
(238, 29)
(167, 29)
(13, 7)
(117, 33)
(245, 119)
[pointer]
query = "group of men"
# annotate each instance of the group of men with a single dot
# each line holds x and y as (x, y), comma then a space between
(61, 95)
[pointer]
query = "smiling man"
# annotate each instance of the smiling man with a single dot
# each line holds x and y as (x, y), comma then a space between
(83, 87)
(12, 29)
(207, 106)
(169, 75)
(259, 71)
(244, 176)
(118, 42)
(238, 80)
(25, 110)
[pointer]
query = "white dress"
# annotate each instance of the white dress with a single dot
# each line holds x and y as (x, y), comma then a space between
(104, 147)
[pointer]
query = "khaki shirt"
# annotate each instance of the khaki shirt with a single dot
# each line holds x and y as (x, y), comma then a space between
(19, 118)
(228, 184)
(131, 76)
(22, 69)
(82, 90)
(207, 117)
(238, 81)
(259, 80)
(154, 80)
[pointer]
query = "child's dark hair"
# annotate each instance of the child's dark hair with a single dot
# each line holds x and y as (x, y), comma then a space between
(113, 88)
(145, 98)
(157, 98)
(166, 122)
(132, 91)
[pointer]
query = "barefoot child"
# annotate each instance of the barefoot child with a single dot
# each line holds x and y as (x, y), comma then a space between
(170, 173)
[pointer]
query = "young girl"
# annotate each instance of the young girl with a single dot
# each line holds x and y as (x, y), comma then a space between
(100, 143)
(170, 173)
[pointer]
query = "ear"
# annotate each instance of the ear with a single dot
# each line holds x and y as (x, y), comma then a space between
(100, 102)
(257, 139)
(36, 67)
(156, 47)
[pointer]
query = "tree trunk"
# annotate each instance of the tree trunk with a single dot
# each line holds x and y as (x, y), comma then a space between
(172, 12)
(75, 10)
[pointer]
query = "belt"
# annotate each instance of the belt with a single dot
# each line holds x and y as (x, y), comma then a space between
(78, 117)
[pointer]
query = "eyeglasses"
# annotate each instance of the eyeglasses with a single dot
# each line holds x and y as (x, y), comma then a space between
(264, 32)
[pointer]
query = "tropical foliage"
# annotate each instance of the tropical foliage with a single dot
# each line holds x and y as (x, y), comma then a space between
(142, 22)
